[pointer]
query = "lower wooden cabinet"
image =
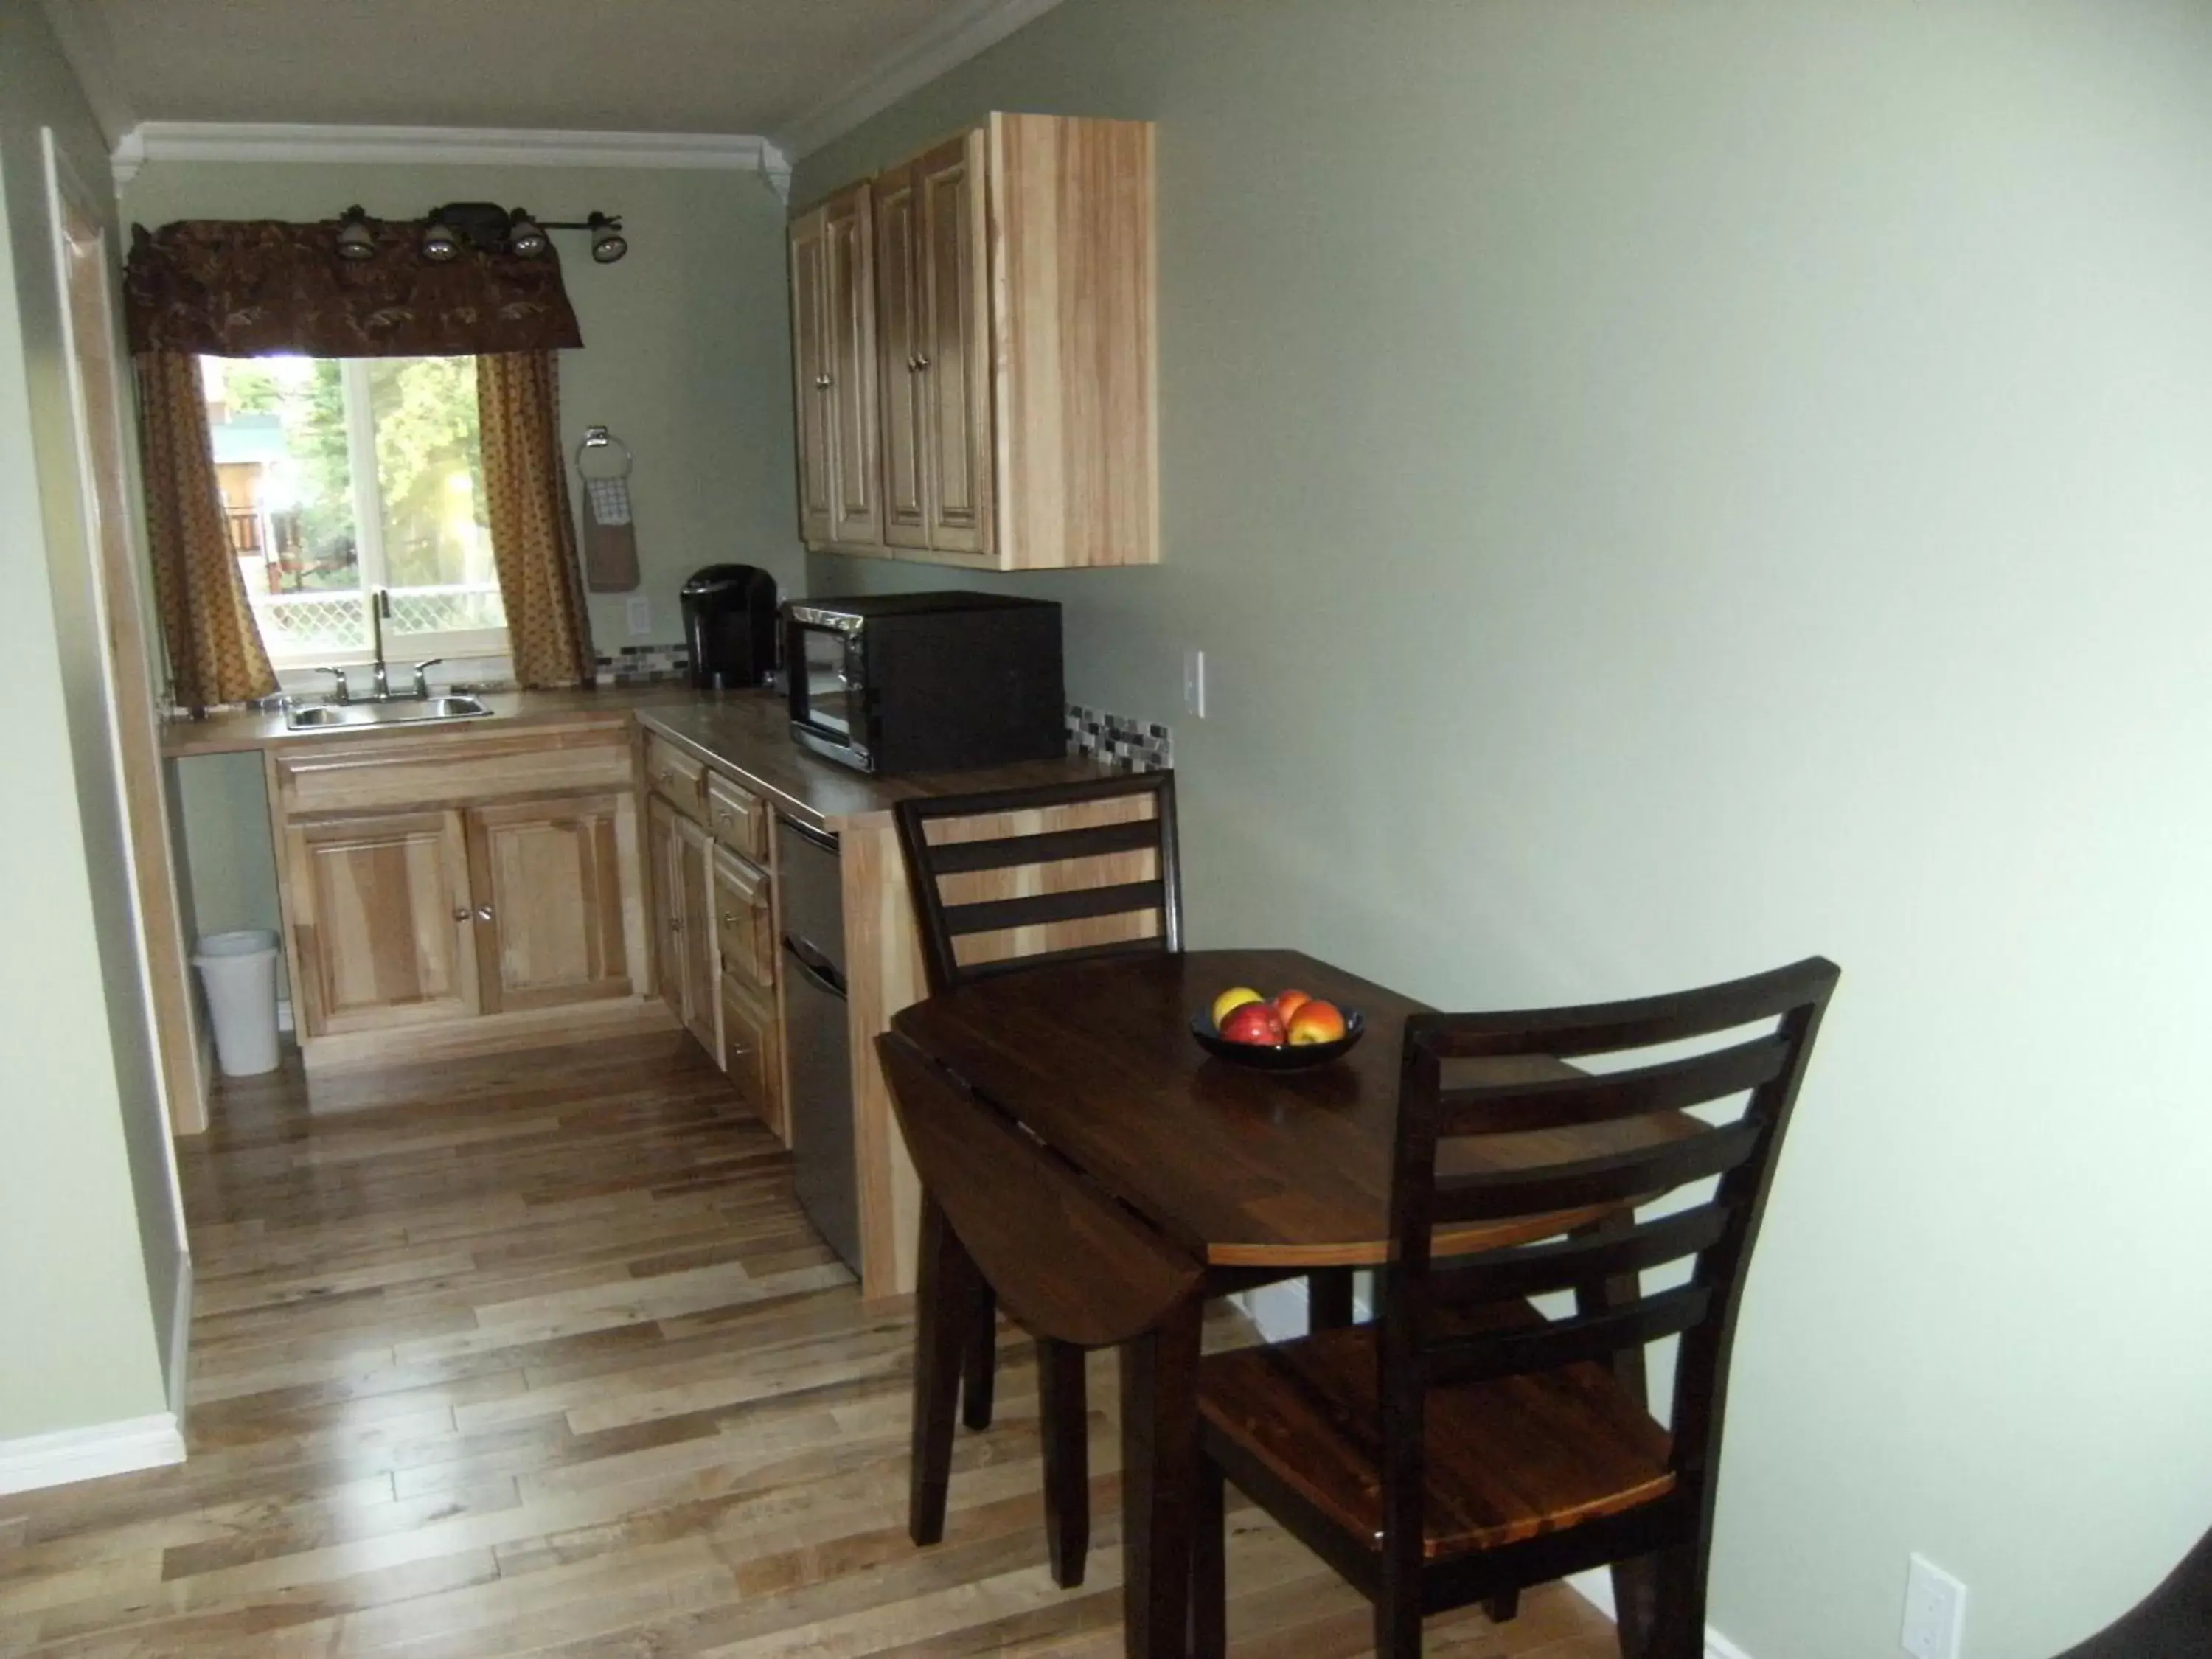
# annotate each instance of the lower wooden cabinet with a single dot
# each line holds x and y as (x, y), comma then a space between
(713, 930)
(751, 1053)
(411, 918)
(685, 952)
(547, 878)
(383, 921)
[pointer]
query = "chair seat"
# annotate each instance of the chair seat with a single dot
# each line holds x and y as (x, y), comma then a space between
(1506, 1460)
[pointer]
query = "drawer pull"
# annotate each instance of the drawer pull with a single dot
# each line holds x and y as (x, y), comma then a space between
(484, 913)
(729, 918)
(461, 913)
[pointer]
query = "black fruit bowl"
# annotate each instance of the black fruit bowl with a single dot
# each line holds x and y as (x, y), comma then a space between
(1282, 1057)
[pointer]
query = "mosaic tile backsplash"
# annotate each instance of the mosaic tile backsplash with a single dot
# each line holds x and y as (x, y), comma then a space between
(644, 664)
(1126, 744)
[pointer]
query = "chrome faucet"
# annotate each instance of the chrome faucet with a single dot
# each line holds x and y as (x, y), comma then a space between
(379, 607)
(422, 677)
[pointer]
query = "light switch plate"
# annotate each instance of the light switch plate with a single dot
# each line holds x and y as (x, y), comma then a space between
(641, 617)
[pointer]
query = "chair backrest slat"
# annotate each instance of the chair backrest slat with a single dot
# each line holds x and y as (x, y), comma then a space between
(1536, 1269)
(1531, 1146)
(1049, 847)
(1548, 1346)
(994, 915)
(1060, 872)
(1555, 1103)
(1611, 1177)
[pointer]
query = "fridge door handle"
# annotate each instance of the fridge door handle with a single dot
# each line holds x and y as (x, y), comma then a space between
(812, 963)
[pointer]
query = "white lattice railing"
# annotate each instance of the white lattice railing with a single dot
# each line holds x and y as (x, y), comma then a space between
(294, 623)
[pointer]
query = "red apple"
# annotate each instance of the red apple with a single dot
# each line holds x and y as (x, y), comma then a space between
(1315, 1022)
(1287, 1003)
(1255, 1023)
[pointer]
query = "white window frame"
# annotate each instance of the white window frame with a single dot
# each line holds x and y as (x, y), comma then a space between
(450, 646)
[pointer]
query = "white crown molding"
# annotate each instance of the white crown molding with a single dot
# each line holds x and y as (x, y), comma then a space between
(223, 140)
(961, 33)
(37, 1461)
(85, 43)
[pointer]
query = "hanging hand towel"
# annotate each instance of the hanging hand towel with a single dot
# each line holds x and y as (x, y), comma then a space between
(610, 538)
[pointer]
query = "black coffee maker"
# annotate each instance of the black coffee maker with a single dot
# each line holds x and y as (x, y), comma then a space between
(730, 620)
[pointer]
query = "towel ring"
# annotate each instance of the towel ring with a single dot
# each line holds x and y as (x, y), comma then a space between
(597, 437)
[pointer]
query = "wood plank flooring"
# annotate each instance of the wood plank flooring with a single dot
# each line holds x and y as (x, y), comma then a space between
(537, 1355)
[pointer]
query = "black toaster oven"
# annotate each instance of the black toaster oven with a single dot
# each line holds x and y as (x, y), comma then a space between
(892, 683)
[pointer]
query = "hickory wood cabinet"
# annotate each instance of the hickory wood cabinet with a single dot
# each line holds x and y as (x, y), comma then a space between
(710, 857)
(489, 886)
(975, 353)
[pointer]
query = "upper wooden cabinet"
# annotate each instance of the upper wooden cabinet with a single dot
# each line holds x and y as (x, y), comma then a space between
(1014, 419)
(833, 284)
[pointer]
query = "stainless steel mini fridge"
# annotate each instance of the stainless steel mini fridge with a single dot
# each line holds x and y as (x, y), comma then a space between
(820, 1044)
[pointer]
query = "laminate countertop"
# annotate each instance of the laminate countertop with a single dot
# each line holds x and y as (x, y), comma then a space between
(744, 733)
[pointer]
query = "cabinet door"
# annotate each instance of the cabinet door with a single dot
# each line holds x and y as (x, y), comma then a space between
(899, 331)
(547, 878)
(810, 359)
(695, 854)
(382, 926)
(742, 930)
(953, 367)
(751, 1055)
(665, 872)
(856, 514)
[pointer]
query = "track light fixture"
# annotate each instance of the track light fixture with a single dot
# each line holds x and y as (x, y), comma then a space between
(356, 240)
(608, 242)
(486, 227)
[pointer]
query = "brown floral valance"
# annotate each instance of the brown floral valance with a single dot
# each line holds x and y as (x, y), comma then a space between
(252, 288)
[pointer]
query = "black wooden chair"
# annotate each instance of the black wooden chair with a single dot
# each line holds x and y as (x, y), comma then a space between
(2174, 1621)
(987, 880)
(1464, 1447)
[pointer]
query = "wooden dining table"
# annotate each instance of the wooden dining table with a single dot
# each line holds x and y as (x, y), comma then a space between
(1243, 1171)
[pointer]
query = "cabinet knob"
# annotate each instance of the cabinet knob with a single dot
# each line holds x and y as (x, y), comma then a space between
(822, 382)
(462, 914)
(922, 362)
(729, 918)
(484, 913)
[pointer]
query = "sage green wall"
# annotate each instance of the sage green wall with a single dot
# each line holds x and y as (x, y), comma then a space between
(686, 358)
(91, 1255)
(1666, 488)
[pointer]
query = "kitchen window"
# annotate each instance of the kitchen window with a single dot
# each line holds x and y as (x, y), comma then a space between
(341, 477)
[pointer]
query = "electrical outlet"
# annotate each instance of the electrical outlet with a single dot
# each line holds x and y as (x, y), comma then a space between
(1935, 1611)
(641, 617)
(1194, 682)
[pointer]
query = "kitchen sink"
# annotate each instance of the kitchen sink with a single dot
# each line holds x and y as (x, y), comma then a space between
(399, 711)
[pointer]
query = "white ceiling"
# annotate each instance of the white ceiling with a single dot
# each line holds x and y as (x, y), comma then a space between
(726, 66)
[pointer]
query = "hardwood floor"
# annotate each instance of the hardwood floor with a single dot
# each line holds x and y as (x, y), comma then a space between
(536, 1354)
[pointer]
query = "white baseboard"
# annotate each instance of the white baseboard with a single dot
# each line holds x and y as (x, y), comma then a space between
(1596, 1587)
(36, 1461)
(181, 1342)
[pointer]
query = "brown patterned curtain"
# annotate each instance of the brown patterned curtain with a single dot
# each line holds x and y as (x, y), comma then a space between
(215, 649)
(533, 536)
(249, 287)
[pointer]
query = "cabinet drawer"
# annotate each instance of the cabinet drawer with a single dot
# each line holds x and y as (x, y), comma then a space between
(673, 774)
(752, 1055)
(743, 924)
(738, 816)
(366, 773)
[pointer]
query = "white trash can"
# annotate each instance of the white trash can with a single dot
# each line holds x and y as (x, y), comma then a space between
(240, 972)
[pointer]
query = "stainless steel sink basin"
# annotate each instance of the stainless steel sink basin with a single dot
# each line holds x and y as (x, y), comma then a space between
(399, 711)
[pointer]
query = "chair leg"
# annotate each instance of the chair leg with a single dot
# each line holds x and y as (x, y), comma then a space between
(1632, 1582)
(943, 1299)
(1677, 1604)
(1063, 1415)
(1397, 1622)
(1503, 1608)
(1209, 1563)
(980, 1370)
